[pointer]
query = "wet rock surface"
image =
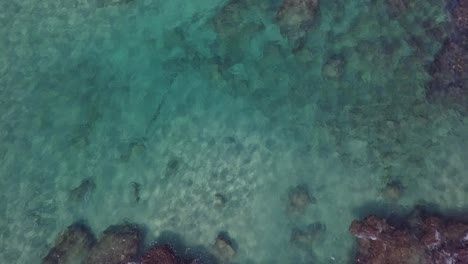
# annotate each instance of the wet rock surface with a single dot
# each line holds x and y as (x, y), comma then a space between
(72, 246)
(421, 240)
(449, 69)
(118, 244)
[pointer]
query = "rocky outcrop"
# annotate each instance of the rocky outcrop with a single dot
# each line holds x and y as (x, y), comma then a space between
(449, 70)
(295, 18)
(426, 240)
(118, 244)
(72, 246)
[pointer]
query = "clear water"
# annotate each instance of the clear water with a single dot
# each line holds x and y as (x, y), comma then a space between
(189, 100)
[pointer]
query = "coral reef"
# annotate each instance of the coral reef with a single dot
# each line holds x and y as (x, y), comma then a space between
(299, 198)
(72, 246)
(118, 244)
(219, 200)
(429, 239)
(295, 18)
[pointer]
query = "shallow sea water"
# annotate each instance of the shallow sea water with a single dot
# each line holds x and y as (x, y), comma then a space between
(193, 99)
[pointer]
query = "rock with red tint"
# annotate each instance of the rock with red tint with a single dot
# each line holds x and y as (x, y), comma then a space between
(434, 241)
(295, 18)
(71, 246)
(160, 255)
(118, 244)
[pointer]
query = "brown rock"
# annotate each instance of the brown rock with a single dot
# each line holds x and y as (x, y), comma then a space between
(118, 244)
(160, 255)
(432, 241)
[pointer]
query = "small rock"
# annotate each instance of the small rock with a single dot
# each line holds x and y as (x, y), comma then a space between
(219, 200)
(295, 18)
(299, 198)
(224, 247)
(333, 68)
(72, 246)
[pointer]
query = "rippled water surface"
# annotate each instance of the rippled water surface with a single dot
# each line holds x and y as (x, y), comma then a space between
(196, 117)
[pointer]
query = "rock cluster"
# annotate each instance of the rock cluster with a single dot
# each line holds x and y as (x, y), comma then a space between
(119, 244)
(426, 240)
(449, 70)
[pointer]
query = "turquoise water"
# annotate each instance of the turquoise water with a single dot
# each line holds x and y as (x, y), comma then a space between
(187, 100)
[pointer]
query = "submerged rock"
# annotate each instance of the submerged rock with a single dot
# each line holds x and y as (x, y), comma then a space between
(118, 244)
(449, 69)
(434, 241)
(304, 238)
(299, 198)
(333, 68)
(392, 190)
(72, 246)
(82, 191)
(449, 72)
(295, 18)
(224, 247)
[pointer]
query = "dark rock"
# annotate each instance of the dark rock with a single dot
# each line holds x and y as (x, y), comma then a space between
(163, 254)
(118, 244)
(295, 18)
(299, 198)
(136, 187)
(72, 246)
(432, 241)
